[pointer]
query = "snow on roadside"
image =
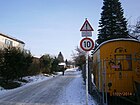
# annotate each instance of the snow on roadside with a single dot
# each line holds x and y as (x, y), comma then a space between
(31, 80)
(37, 78)
(75, 93)
(72, 69)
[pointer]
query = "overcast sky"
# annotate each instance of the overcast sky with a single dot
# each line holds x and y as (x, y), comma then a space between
(51, 26)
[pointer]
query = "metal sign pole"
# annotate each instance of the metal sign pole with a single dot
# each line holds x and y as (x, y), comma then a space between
(87, 78)
(86, 73)
(86, 44)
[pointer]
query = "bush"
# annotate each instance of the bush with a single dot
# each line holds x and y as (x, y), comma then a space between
(10, 84)
(14, 63)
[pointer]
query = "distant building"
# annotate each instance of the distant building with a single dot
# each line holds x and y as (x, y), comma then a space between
(6, 41)
(62, 64)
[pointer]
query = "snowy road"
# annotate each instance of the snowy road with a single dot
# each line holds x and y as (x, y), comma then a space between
(60, 90)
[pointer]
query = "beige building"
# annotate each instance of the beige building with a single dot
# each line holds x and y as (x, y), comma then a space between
(6, 41)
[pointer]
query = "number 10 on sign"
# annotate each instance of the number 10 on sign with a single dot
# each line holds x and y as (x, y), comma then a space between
(87, 44)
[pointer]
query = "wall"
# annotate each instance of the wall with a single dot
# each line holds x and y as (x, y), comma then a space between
(118, 61)
(15, 42)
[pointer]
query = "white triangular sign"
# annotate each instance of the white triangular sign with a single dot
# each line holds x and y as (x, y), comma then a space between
(86, 26)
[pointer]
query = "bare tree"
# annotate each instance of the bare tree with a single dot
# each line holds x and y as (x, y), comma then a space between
(78, 57)
(134, 30)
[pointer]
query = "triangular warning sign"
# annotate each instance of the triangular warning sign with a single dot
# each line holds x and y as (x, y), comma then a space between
(86, 26)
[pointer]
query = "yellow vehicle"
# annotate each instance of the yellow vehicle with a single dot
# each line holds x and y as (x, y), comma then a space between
(116, 67)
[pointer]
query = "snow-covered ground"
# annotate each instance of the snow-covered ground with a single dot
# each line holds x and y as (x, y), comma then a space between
(73, 93)
(31, 80)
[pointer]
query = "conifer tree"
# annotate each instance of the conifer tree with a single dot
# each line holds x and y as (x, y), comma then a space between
(60, 57)
(112, 23)
(14, 63)
(46, 63)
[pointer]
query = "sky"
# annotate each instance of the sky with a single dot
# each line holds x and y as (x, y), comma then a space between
(51, 26)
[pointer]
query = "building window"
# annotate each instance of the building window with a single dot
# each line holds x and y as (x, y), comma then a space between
(8, 42)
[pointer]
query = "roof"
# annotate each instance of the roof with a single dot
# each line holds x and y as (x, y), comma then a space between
(113, 40)
(12, 38)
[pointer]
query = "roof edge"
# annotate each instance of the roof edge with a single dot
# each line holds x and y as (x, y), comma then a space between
(12, 38)
(112, 40)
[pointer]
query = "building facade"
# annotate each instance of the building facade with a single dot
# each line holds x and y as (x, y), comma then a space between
(6, 41)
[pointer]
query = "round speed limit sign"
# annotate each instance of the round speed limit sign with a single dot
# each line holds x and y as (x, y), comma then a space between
(87, 44)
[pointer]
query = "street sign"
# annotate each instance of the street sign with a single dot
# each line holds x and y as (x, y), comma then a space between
(86, 33)
(87, 44)
(86, 29)
(86, 26)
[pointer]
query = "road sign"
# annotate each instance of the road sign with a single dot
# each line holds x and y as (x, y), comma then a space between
(86, 33)
(87, 44)
(86, 26)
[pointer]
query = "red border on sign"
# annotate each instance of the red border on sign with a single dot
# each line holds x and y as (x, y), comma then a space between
(86, 21)
(83, 47)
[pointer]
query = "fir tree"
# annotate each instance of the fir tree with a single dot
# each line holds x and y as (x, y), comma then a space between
(60, 57)
(112, 23)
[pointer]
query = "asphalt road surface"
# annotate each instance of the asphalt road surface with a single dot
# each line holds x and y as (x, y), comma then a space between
(43, 93)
